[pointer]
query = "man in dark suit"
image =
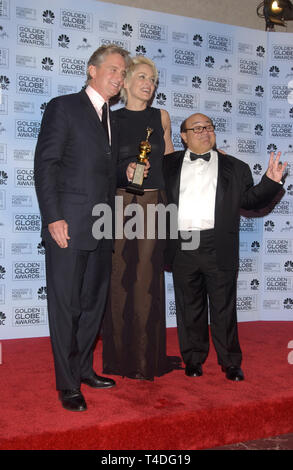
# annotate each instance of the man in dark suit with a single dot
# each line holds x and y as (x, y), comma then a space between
(75, 169)
(209, 189)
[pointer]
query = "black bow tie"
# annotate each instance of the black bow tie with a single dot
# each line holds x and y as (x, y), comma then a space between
(194, 156)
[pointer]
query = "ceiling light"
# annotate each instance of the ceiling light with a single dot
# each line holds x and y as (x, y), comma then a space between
(275, 12)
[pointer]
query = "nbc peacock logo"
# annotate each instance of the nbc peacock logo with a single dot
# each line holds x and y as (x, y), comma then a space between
(288, 303)
(2, 320)
(63, 41)
(48, 17)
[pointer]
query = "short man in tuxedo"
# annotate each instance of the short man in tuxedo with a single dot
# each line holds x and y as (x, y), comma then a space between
(209, 189)
(75, 169)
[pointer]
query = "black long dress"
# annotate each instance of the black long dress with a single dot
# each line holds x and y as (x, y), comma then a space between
(134, 331)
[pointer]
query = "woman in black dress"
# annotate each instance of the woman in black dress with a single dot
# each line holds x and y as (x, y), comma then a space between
(134, 334)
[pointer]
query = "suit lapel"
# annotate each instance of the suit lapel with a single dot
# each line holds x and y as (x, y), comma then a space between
(174, 175)
(89, 107)
(224, 175)
(92, 114)
(225, 171)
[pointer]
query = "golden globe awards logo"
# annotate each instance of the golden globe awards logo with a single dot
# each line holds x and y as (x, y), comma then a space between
(248, 265)
(246, 303)
(248, 146)
(76, 20)
(279, 92)
(72, 66)
(181, 100)
(28, 270)
(177, 140)
(152, 31)
(250, 67)
(282, 52)
(33, 84)
(24, 177)
(222, 124)
(23, 223)
(186, 57)
(219, 85)
(29, 316)
(171, 308)
(248, 225)
(33, 36)
(27, 129)
(249, 108)
(117, 42)
(217, 42)
(281, 129)
(278, 247)
(284, 207)
(278, 283)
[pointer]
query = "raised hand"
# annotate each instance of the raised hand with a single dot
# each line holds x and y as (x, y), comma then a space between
(276, 168)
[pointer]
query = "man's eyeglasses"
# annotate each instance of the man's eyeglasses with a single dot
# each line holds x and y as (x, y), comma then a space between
(199, 129)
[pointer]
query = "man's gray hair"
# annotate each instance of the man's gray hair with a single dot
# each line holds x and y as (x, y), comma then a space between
(98, 57)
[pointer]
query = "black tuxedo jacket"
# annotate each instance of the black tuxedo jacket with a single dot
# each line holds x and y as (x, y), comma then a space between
(235, 190)
(75, 167)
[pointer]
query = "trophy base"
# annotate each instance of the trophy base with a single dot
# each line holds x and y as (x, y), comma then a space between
(135, 189)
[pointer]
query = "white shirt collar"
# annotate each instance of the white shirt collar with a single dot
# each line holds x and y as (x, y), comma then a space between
(96, 99)
(187, 156)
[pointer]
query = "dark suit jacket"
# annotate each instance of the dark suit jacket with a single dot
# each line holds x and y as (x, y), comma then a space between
(235, 190)
(75, 167)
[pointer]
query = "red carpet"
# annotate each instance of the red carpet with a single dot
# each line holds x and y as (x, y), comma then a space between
(172, 413)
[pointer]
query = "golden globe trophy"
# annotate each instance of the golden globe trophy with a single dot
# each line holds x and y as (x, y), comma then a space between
(145, 147)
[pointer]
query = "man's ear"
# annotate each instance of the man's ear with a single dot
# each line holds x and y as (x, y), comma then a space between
(92, 71)
(183, 137)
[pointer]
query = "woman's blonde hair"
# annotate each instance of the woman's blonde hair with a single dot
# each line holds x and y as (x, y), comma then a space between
(135, 62)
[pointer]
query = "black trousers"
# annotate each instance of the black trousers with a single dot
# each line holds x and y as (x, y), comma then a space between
(77, 289)
(201, 288)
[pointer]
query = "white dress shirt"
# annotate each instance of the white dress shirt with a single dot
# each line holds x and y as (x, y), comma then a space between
(98, 102)
(198, 185)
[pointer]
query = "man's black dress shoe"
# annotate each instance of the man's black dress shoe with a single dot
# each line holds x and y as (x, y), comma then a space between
(96, 381)
(193, 371)
(72, 400)
(233, 373)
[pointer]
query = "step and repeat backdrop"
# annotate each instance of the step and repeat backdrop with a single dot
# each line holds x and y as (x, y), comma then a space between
(241, 78)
